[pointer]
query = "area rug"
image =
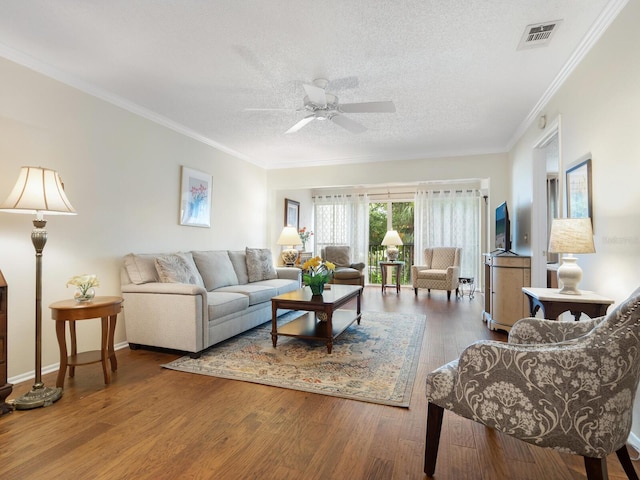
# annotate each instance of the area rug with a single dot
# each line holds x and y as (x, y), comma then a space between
(375, 361)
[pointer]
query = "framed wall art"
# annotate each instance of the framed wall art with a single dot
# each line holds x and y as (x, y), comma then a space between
(579, 190)
(291, 213)
(195, 198)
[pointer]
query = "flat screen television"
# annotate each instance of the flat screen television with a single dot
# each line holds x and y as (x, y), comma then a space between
(503, 228)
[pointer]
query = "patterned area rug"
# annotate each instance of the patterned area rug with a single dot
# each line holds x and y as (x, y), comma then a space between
(373, 362)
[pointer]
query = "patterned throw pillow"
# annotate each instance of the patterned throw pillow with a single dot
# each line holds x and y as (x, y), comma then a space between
(175, 269)
(260, 264)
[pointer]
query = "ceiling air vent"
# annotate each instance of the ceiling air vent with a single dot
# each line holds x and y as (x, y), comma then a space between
(538, 34)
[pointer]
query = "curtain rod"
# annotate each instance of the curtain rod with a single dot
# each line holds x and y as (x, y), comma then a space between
(389, 194)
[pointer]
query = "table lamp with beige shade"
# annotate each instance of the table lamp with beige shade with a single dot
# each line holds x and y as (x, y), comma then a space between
(391, 240)
(289, 238)
(571, 235)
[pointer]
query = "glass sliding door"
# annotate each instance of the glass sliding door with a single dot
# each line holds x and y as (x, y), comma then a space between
(384, 216)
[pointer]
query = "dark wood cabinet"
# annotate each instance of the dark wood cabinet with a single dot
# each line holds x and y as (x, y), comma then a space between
(5, 387)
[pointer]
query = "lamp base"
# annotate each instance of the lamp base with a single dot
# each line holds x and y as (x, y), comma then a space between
(569, 275)
(38, 396)
(392, 253)
(289, 256)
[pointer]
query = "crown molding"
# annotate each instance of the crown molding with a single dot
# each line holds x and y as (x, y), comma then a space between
(602, 23)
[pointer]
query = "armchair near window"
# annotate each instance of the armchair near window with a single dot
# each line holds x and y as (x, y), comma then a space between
(572, 390)
(346, 273)
(440, 271)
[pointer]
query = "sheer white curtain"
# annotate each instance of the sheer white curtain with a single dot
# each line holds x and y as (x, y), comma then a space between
(342, 220)
(449, 219)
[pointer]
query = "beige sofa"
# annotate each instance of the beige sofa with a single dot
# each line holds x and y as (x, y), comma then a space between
(190, 301)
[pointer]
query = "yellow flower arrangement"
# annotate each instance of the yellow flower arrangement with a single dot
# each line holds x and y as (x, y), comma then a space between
(317, 273)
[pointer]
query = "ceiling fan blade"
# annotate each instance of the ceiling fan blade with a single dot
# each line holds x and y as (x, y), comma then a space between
(269, 110)
(368, 107)
(347, 123)
(300, 124)
(316, 95)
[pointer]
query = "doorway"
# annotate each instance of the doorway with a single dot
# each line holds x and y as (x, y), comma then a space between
(547, 202)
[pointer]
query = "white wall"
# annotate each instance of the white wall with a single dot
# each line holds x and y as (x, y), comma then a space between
(122, 174)
(600, 106)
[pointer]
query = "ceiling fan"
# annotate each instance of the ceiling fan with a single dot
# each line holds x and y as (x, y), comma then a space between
(321, 105)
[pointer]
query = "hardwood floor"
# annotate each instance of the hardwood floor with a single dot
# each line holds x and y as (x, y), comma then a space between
(154, 423)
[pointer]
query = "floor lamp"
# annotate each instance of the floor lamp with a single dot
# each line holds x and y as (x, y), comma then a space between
(38, 191)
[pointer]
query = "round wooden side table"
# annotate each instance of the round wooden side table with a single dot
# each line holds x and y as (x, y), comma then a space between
(105, 308)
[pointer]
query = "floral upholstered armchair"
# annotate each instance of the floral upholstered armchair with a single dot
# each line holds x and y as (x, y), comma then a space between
(440, 270)
(569, 386)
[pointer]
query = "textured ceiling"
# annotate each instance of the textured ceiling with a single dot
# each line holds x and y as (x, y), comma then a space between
(459, 84)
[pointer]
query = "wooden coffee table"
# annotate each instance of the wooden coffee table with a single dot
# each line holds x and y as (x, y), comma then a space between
(324, 321)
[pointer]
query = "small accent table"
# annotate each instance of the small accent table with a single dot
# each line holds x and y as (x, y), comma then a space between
(554, 303)
(471, 287)
(394, 267)
(106, 308)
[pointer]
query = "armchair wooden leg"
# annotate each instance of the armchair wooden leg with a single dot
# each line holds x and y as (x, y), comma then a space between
(434, 426)
(596, 468)
(625, 461)
(448, 294)
(416, 291)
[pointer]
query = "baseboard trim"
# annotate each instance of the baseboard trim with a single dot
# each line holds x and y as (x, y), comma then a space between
(54, 367)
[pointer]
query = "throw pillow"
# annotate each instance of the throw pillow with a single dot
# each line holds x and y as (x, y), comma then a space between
(216, 269)
(141, 268)
(188, 257)
(174, 269)
(260, 264)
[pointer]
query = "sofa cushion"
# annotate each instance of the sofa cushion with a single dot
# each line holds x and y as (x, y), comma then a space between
(216, 268)
(345, 273)
(338, 255)
(175, 269)
(239, 261)
(260, 264)
(225, 303)
(141, 268)
(433, 274)
(256, 292)
(282, 285)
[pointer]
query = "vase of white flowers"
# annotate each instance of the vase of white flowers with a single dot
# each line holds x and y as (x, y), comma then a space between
(84, 287)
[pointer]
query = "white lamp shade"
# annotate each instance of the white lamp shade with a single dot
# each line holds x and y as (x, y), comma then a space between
(392, 238)
(571, 235)
(289, 236)
(38, 190)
